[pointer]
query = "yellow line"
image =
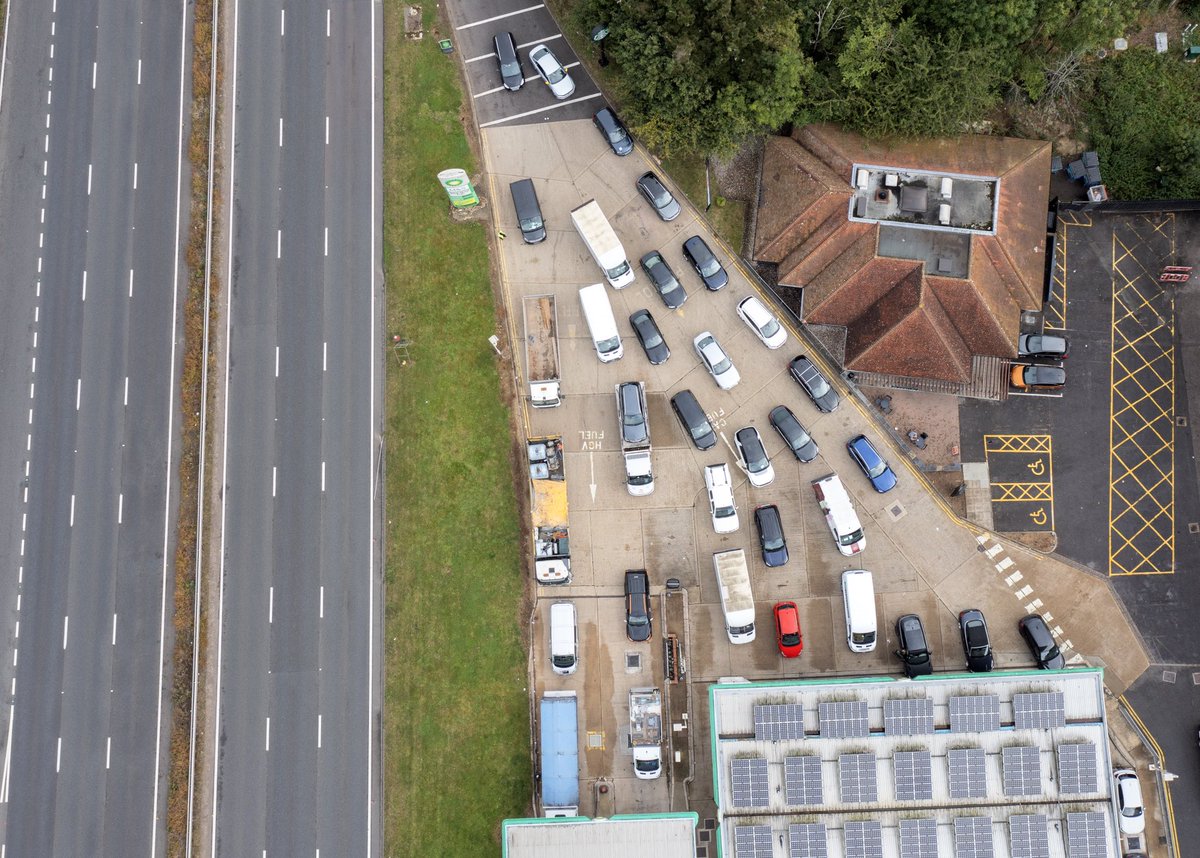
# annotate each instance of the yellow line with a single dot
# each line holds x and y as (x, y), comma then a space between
(1169, 810)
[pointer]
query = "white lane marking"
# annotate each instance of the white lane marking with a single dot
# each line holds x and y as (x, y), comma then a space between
(326, 130)
(85, 285)
(1004, 563)
(321, 615)
(89, 193)
(325, 356)
(135, 175)
(32, 371)
(281, 32)
(93, 75)
(126, 402)
(501, 17)
(120, 507)
(3, 64)
(540, 110)
(328, 16)
(66, 628)
(369, 349)
(72, 510)
(58, 756)
(281, 132)
(318, 731)
(268, 747)
(322, 476)
(139, 80)
(78, 391)
(277, 361)
(274, 478)
(326, 241)
(114, 635)
(8, 750)
(278, 243)
(270, 606)
(108, 753)
(130, 282)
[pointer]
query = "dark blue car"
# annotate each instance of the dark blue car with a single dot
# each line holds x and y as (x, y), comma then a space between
(872, 464)
(770, 535)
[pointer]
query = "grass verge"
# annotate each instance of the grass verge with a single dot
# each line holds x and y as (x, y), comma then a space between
(729, 218)
(456, 713)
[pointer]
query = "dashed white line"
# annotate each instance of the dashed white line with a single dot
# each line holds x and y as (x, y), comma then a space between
(501, 17)
(322, 476)
(281, 132)
(66, 628)
(120, 507)
(139, 79)
(328, 21)
(268, 747)
(58, 756)
(114, 633)
(277, 361)
(282, 13)
(84, 286)
(326, 130)
(72, 510)
(279, 244)
(270, 605)
(94, 75)
(325, 356)
(326, 241)
(89, 192)
(274, 475)
(135, 175)
(560, 104)
(108, 753)
(321, 609)
(318, 731)
(130, 282)
(126, 399)
(78, 391)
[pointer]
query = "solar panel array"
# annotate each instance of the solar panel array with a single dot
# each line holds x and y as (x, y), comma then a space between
(1077, 768)
(967, 773)
(752, 841)
(973, 837)
(1042, 709)
(918, 838)
(974, 713)
(914, 775)
(1028, 837)
(864, 839)
(1022, 770)
(807, 840)
(1087, 835)
(856, 777)
(908, 717)
(749, 782)
(802, 780)
(844, 720)
(775, 721)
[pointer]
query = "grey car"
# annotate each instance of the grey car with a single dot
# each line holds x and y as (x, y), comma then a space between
(650, 337)
(511, 73)
(632, 415)
(656, 193)
(815, 385)
(796, 437)
(613, 130)
(664, 280)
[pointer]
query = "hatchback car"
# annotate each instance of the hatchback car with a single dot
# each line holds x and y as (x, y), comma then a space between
(718, 364)
(637, 605)
(914, 650)
(762, 321)
(692, 418)
(815, 385)
(1041, 643)
(705, 262)
(632, 416)
(656, 193)
(787, 630)
(977, 644)
(753, 457)
(613, 130)
(1129, 802)
(863, 452)
(664, 280)
(649, 336)
(551, 71)
(796, 437)
(770, 535)
(1042, 346)
(1038, 377)
(511, 73)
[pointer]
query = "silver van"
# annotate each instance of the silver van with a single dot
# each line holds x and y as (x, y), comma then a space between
(529, 212)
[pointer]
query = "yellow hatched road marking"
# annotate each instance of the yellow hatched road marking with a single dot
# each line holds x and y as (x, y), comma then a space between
(1016, 443)
(1023, 492)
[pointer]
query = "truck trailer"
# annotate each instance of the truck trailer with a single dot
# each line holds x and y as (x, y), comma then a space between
(737, 599)
(541, 351)
(559, 754)
(602, 242)
(548, 508)
(645, 731)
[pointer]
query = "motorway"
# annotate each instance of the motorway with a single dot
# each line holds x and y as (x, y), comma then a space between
(91, 133)
(298, 765)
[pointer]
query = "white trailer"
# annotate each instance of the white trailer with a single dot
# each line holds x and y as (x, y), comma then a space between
(737, 599)
(602, 242)
(645, 731)
(541, 351)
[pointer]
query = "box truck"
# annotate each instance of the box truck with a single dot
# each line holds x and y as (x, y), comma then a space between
(737, 600)
(603, 244)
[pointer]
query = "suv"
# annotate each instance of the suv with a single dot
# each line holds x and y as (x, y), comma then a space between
(1042, 346)
(660, 199)
(705, 262)
(798, 440)
(613, 131)
(511, 73)
(977, 644)
(753, 458)
(1038, 377)
(631, 413)
(863, 452)
(770, 535)
(720, 498)
(1041, 643)
(695, 423)
(637, 605)
(914, 650)
(815, 385)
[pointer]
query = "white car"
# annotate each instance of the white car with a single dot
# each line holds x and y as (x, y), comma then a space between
(718, 364)
(720, 498)
(762, 321)
(753, 458)
(551, 71)
(1129, 800)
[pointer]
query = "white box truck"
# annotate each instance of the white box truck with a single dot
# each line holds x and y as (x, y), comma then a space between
(634, 420)
(541, 351)
(645, 732)
(603, 244)
(737, 600)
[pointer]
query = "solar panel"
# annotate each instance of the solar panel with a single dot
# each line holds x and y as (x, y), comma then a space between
(749, 782)
(1087, 835)
(845, 720)
(973, 837)
(1022, 770)
(914, 775)
(776, 721)
(752, 841)
(968, 776)
(864, 839)
(802, 780)
(974, 713)
(1039, 709)
(856, 774)
(1028, 837)
(1077, 768)
(807, 840)
(908, 717)
(918, 838)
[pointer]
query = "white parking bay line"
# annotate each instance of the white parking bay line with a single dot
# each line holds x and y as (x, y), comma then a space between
(539, 110)
(501, 17)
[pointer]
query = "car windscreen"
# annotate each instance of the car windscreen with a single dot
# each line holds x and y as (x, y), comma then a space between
(609, 345)
(817, 383)
(790, 638)
(850, 538)
(863, 637)
(510, 68)
(618, 271)
(700, 430)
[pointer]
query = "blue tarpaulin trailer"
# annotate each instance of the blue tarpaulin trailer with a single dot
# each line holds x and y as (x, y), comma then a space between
(560, 754)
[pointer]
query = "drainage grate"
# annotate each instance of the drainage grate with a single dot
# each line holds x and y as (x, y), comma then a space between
(897, 511)
(1181, 421)
(1196, 679)
(1169, 676)
(633, 662)
(1194, 527)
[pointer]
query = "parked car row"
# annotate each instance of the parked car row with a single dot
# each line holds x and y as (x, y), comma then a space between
(543, 60)
(1040, 376)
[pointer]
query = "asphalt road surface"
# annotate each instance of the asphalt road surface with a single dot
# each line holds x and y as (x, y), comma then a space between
(91, 132)
(298, 764)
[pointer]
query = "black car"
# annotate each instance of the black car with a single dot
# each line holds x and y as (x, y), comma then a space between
(511, 73)
(632, 416)
(649, 336)
(770, 535)
(637, 605)
(815, 385)
(695, 423)
(798, 440)
(977, 644)
(613, 131)
(1043, 346)
(705, 262)
(914, 650)
(656, 193)
(664, 280)
(1041, 643)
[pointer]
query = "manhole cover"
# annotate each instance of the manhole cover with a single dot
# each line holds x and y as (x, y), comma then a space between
(1169, 676)
(1194, 527)
(897, 511)
(1181, 421)
(633, 661)
(1196, 679)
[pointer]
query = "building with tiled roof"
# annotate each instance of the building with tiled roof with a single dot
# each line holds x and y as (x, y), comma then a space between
(924, 252)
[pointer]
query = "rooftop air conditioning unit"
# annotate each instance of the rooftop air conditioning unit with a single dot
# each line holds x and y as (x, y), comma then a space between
(944, 214)
(864, 179)
(947, 187)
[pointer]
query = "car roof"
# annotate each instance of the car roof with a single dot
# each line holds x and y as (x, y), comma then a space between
(863, 446)
(768, 514)
(755, 309)
(697, 245)
(630, 394)
(910, 625)
(1048, 374)
(748, 435)
(687, 403)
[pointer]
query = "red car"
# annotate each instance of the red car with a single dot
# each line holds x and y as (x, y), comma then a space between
(787, 629)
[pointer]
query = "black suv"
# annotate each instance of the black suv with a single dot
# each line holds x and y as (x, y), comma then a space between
(511, 73)
(615, 134)
(1041, 643)
(637, 605)
(695, 423)
(770, 535)
(914, 650)
(977, 645)
(705, 262)
(815, 385)
(793, 434)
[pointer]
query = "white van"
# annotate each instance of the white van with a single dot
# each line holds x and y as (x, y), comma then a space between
(564, 638)
(839, 514)
(858, 591)
(597, 312)
(720, 498)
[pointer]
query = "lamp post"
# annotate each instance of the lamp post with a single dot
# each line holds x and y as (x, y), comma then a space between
(598, 34)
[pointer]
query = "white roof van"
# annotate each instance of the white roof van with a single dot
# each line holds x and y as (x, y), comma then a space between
(597, 312)
(564, 638)
(858, 591)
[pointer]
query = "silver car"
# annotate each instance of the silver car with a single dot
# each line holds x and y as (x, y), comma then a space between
(716, 361)
(552, 72)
